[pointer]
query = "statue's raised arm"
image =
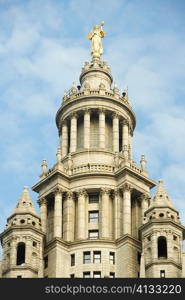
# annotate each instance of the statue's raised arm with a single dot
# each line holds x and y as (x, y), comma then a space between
(96, 44)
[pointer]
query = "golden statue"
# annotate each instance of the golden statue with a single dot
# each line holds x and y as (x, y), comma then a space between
(96, 44)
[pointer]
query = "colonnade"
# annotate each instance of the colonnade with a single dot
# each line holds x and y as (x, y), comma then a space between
(71, 210)
(71, 139)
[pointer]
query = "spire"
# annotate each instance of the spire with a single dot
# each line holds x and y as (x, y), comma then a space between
(25, 204)
(161, 197)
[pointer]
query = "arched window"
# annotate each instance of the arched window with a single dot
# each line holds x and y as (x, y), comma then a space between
(21, 253)
(162, 247)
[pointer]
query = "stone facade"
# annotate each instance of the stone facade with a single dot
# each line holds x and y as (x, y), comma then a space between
(96, 215)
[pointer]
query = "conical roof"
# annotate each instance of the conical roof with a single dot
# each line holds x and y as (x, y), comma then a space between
(161, 198)
(25, 204)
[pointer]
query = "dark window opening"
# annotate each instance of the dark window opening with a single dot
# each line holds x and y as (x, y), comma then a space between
(72, 275)
(162, 247)
(45, 262)
(34, 244)
(19, 276)
(94, 198)
(139, 257)
(21, 254)
(72, 260)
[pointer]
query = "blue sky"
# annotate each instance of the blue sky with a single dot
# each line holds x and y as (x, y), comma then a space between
(43, 45)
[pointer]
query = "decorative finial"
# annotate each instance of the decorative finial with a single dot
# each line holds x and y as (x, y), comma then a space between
(143, 163)
(96, 44)
(25, 188)
(44, 167)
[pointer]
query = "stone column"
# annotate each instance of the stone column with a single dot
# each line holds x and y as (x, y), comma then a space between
(43, 213)
(144, 205)
(13, 252)
(105, 213)
(64, 141)
(87, 129)
(58, 213)
(117, 208)
(126, 209)
(73, 143)
(69, 225)
(115, 132)
(125, 130)
(102, 129)
(81, 222)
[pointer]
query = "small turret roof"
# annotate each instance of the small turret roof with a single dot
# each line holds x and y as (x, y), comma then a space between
(161, 198)
(25, 204)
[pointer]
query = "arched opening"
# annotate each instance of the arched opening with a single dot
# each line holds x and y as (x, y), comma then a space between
(162, 247)
(21, 253)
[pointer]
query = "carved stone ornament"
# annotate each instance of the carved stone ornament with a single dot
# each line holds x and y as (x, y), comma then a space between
(57, 190)
(42, 201)
(127, 187)
(81, 192)
(105, 191)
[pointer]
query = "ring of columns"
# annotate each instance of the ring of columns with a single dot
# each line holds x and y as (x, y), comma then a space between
(95, 128)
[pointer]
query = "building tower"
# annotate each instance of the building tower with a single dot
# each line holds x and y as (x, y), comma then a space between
(95, 201)
(22, 241)
(162, 237)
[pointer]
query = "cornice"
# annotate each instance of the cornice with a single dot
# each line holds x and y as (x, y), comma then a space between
(22, 228)
(154, 222)
(119, 102)
(126, 169)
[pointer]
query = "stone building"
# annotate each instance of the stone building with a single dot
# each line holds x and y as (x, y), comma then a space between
(96, 215)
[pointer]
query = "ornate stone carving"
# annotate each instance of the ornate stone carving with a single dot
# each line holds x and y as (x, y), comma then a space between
(70, 195)
(101, 110)
(81, 192)
(115, 115)
(42, 201)
(125, 122)
(105, 191)
(57, 190)
(74, 115)
(127, 187)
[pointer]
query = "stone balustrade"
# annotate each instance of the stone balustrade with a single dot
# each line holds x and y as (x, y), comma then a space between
(70, 97)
